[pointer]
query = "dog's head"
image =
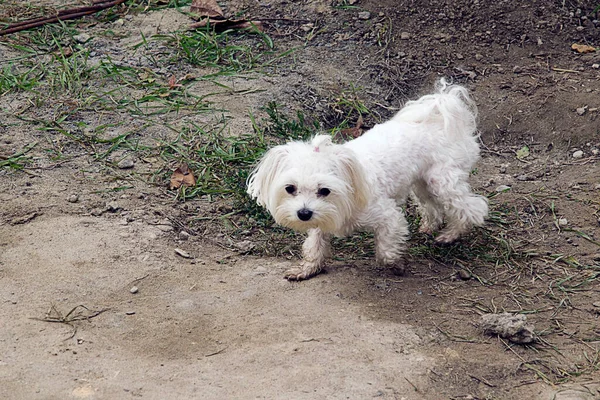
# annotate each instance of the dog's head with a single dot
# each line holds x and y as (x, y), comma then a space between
(307, 185)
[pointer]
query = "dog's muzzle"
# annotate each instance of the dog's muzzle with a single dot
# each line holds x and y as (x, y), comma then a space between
(304, 214)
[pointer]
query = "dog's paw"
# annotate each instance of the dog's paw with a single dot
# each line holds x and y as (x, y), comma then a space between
(304, 271)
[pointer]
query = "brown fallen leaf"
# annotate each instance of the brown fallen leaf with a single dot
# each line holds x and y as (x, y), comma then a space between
(207, 8)
(352, 133)
(182, 176)
(173, 82)
(582, 48)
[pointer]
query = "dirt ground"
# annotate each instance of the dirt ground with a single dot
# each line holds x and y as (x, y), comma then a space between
(95, 302)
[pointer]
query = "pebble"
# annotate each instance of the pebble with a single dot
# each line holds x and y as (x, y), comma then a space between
(96, 212)
(182, 253)
(133, 290)
(364, 15)
(523, 177)
(581, 110)
(73, 198)
(578, 154)
(113, 206)
(464, 274)
(244, 246)
(82, 38)
(405, 36)
(563, 221)
(183, 235)
(596, 304)
(125, 163)
(478, 57)
(129, 312)
(595, 66)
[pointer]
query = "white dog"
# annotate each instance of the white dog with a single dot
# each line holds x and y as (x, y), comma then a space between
(428, 149)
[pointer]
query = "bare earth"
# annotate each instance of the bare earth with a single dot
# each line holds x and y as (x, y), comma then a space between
(223, 323)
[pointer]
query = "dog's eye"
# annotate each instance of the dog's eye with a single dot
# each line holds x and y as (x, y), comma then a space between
(291, 189)
(323, 192)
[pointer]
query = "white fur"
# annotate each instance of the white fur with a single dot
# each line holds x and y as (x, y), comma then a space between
(427, 149)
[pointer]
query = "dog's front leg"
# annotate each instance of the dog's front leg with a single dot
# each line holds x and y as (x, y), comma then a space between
(315, 249)
(391, 233)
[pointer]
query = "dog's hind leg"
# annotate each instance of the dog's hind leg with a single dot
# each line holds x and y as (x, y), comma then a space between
(315, 250)
(463, 209)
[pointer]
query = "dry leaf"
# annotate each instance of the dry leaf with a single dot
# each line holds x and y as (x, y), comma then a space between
(173, 82)
(353, 133)
(182, 176)
(206, 8)
(582, 48)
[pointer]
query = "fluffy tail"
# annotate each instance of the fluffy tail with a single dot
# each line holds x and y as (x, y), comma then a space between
(451, 105)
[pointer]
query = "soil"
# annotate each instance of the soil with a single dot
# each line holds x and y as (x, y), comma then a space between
(78, 235)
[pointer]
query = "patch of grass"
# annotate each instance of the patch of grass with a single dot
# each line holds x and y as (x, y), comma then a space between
(222, 162)
(18, 159)
(229, 51)
(13, 80)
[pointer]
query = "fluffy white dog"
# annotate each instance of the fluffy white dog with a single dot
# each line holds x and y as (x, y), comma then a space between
(428, 149)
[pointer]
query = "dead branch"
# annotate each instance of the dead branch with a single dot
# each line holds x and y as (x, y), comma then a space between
(62, 15)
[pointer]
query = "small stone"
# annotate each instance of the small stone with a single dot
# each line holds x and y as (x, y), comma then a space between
(133, 290)
(578, 154)
(502, 188)
(307, 27)
(595, 66)
(459, 56)
(119, 22)
(182, 253)
(244, 246)
(562, 221)
(73, 198)
(464, 274)
(183, 235)
(522, 178)
(126, 163)
(595, 152)
(113, 206)
(82, 38)
(596, 304)
(581, 110)
(96, 212)
(364, 15)
(129, 312)
(478, 57)
(404, 36)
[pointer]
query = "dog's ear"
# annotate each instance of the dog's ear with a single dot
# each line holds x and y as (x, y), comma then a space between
(355, 174)
(265, 173)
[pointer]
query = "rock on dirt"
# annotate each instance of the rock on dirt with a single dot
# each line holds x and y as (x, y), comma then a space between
(508, 326)
(126, 163)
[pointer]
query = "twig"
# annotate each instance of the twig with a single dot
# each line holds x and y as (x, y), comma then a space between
(62, 15)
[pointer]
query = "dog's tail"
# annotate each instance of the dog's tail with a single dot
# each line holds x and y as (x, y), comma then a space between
(451, 105)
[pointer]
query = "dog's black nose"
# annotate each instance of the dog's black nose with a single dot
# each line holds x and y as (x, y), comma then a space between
(304, 214)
